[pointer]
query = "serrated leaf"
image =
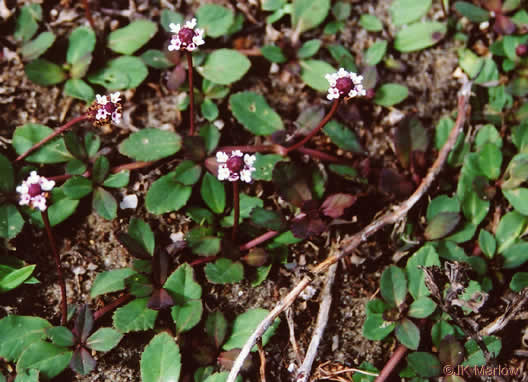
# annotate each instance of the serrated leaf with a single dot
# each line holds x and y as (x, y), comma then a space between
(313, 74)
(150, 144)
(308, 14)
(43, 72)
(161, 360)
(134, 316)
(245, 324)
(224, 66)
(11, 222)
(215, 19)
(254, 113)
(10, 278)
(129, 39)
(61, 336)
(110, 281)
(408, 334)
(18, 333)
(187, 316)
(182, 286)
(31, 133)
(104, 339)
(213, 193)
(104, 204)
(224, 271)
(419, 36)
(38, 46)
(405, 11)
(48, 358)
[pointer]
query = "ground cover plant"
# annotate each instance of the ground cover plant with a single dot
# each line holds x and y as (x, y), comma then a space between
(265, 190)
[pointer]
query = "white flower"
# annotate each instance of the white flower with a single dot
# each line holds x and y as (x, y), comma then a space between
(34, 191)
(235, 166)
(186, 38)
(344, 83)
(104, 111)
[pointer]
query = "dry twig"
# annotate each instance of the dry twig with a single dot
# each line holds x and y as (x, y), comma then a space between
(351, 243)
(262, 357)
(293, 341)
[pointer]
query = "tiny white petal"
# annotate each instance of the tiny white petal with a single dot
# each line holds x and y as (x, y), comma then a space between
(177, 236)
(24, 200)
(223, 172)
(114, 97)
(233, 177)
(190, 24)
(245, 176)
(249, 159)
(22, 189)
(236, 153)
(191, 47)
(116, 117)
(175, 28)
(101, 100)
(221, 157)
(47, 185)
(101, 114)
(129, 201)
(33, 178)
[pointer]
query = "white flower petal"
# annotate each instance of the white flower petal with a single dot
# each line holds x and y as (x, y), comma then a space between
(116, 117)
(245, 176)
(175, 28)
(47, 185)
(24, 200)
(101, 100)
(22, 189)
(101, 114)
(223, 172)
(114, 97)
(237, 153)
(33, 178)
(249, 159)
(221, 157)
(191, 23)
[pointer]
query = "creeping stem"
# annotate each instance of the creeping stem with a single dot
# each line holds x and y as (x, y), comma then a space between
(60, 130)
(191, 92)
(64, 306)
(88, 13)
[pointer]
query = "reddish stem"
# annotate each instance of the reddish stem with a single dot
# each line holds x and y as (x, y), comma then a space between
(319, 154)
(191, 91)
(236, 208)
(391, 364)
(114, 304)
(114, 170)
(88, 14)
(316, 130)
(258, 240)
(64, 304)
(53, 135)
(202, 260)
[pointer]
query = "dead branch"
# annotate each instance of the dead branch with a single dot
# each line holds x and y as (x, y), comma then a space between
(351, 243)
(322, 319)
(293, 341)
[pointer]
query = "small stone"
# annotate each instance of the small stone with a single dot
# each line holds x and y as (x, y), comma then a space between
(129, 201)
(177, 236)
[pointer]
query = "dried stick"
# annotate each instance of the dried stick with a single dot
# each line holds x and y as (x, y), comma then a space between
(293, 341)
(262, 357)
(351, 243)
(322, 319)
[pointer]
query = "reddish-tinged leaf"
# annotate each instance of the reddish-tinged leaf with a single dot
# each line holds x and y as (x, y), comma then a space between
(160, 299)
(83, 323)
(291, 183)
(160, 267)
(305, 226)
(176, 78)
(256, 257)
(82, 362)
(503, 24)
(493, 5)
(441, 225)
(335, 204)
(391, 181)
(227, 358)
(450, 351)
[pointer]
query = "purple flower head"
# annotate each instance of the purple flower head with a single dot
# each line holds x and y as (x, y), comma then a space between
(187, 37)
(103, 111)
(235, 166)
(346, 84)
(34, 191)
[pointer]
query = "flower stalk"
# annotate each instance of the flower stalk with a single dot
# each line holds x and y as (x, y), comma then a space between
(236, 209)
(191, 92)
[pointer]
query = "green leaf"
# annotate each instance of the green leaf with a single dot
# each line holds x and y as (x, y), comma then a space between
(104, 204)
(390, 94)
(224, 66)
(60, 209)
(19, 332)
(141, 232)
(342, 57)
(125, 72)
(419, 36)
(441, 225)
(100, 169)
(181, 285)
(61, 336)
(375, 53)
(406, 11)
(134, 316)
(474, 354)
(254, 113)
(48, 358)
(110, 281)
(216, 327)
(224, 271)
(104, 339)
(425, 257)
(30, 375)
(79, 89)
(11, 222)
(27, 22)
(273, 53)
(393, 285)
(12, 277)
(215, 19)
(346, 172)
(211, 135)
(424, 364)
(519, 281)
(472, 12)
(209, 109)
(439, 330)
(43, 72)
(31, 133)
(7, 175)
(518, 198)
(308, 14)
(187, 316)
(264, 165)
(244, 326)
(488, 133)
(221, 377)
(213, 193)
(161, 360)
(117, 180)
(81, 44)
(166, 194)
(408, 334)
(150, 144)
(247, 204)
(370, 23)
(129, 39)
(490, 160)
(343, 137)
(38, 46)
(422, 307)
(168, 17)
(487, 243)
(375, 328)
(268, 219)
(261, 275)
(442, 203)
(516, 255)
(309, 48)
(313, 74)
(156, 59)
(77, 187)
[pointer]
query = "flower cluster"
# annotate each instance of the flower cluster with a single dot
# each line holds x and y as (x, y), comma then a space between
(186, 38)
(235, 166)
(104, 111)
(343, 83)
(34, 191)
